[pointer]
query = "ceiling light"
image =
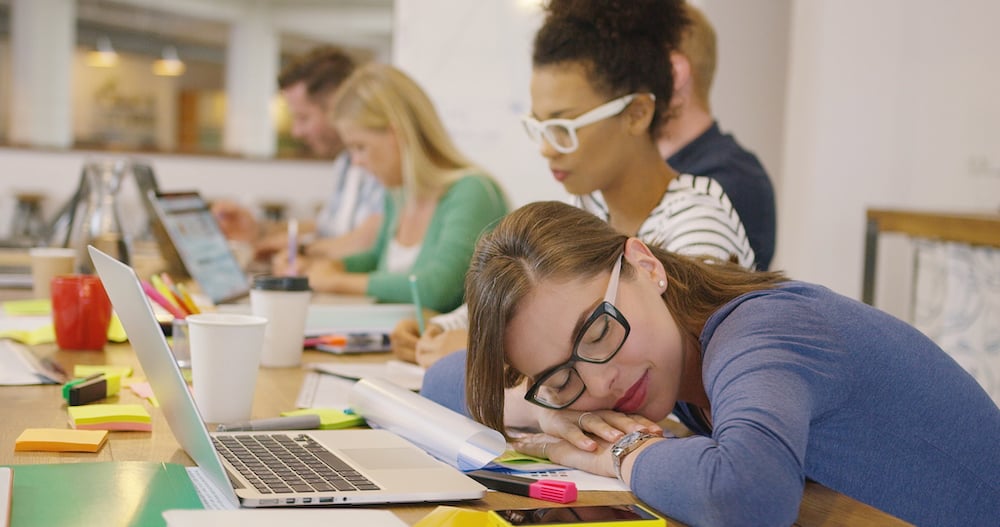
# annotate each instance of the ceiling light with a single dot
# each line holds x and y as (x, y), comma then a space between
(170, 65)
(104, 56)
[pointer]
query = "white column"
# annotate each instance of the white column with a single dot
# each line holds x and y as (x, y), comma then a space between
(251, 70)
(43, 37)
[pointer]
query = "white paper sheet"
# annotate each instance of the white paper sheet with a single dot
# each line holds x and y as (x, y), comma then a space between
(404, 374)
(19, 366)
(285, 517)
(446, 435)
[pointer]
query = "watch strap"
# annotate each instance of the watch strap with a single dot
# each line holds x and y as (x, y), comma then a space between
(624, 446)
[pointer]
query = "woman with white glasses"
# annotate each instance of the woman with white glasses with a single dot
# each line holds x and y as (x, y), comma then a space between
(601, 87)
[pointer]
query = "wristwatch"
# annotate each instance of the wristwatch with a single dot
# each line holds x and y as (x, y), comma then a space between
(625, 446)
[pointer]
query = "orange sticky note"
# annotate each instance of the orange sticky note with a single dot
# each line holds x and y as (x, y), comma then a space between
(60, 440)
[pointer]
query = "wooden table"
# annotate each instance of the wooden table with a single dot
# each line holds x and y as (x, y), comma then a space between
(42, 407)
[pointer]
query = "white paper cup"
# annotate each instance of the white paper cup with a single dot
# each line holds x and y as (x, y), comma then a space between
(284, 302)
(46, 264)
(225, 356)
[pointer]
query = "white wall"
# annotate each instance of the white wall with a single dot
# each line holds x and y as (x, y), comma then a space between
(888, 101)
(474, 60)
(748, 94)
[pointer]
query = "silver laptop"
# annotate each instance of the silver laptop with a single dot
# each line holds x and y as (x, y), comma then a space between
(375, 466)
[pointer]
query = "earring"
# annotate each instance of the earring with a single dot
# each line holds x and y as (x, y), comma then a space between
(661, 284)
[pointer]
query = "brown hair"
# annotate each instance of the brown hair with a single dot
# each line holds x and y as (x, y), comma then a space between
(625, 45)
(551, 240)
(322, 70)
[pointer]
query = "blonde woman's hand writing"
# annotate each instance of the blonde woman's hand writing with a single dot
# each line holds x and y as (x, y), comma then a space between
(405, 336)
(435, 343)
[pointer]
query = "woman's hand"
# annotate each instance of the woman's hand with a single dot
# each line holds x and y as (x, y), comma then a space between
(235, 221)
(325, 276)
(280, 265)
(435, 343)
(596, 461)
(405, 336)
(586, 430)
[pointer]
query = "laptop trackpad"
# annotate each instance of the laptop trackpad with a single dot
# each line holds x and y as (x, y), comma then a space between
(389, 458)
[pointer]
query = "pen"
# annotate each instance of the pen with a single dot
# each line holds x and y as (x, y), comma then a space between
(293, 245)
(164, 291)
(175, 293)
(543, 489)
(155, 296)
(350, 339)
(416, 302)
(294, 422)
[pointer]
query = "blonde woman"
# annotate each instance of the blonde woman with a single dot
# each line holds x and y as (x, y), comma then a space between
(438, 201)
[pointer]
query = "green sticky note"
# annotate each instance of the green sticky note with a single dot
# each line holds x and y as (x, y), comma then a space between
(329, 418)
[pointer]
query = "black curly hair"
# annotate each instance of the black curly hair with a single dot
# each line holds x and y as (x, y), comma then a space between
(624, 45)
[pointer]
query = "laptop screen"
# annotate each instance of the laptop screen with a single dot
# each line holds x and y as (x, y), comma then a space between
(193, 233)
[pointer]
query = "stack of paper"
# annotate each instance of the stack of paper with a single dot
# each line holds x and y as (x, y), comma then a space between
(110, 417)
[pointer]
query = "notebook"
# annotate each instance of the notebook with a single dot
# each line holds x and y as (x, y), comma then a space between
(386, 468)
(191, 239)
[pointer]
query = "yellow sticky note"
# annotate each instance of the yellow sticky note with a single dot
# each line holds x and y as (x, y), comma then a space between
(116, 333)
(86, 370)
(104, 413)
(60, 440)
(329, 418)
(513, 456)
(447, 516)
(44, 334)
(34, 306)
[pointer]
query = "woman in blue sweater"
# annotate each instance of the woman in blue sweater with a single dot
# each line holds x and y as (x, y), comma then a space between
(781, 381)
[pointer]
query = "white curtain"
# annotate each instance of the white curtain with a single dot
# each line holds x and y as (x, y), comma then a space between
(956, 302)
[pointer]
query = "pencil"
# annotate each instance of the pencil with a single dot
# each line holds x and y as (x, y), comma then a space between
(416, 302)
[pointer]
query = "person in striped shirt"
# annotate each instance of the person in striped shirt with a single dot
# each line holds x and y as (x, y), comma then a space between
(599, 100)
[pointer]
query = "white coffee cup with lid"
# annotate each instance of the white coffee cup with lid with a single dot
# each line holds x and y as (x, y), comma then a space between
(284, 302)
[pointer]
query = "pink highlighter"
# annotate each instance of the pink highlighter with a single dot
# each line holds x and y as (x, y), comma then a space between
(543, 489)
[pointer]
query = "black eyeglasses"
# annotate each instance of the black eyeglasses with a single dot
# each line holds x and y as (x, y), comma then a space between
(598, 341)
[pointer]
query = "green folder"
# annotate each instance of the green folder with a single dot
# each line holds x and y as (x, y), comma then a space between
(105, 493)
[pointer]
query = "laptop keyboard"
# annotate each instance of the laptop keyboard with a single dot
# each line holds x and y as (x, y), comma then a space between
(281, 464)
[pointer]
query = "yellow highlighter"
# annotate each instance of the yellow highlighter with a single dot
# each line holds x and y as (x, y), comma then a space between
(165, 291)
(188, 301)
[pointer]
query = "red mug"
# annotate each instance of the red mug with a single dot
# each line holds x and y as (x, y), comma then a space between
(81, 312)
